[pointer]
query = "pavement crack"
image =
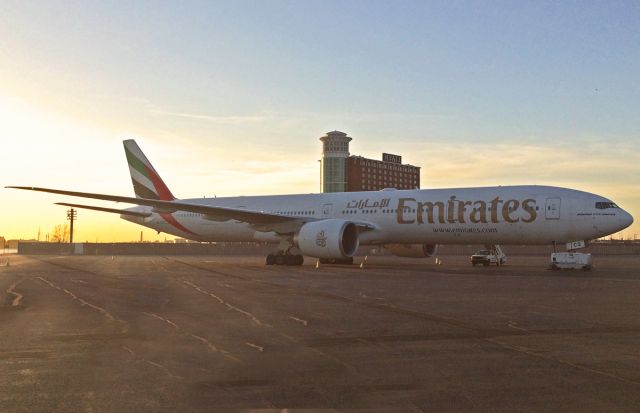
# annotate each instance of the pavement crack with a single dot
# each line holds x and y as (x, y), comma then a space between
(223, 302)
(163, 368)
(533, 353)
(151, 363)
(157, 317)
(82, 301)
(299, 320)
(512, 324)
(255, 346)
(17, 296)
(212, 347)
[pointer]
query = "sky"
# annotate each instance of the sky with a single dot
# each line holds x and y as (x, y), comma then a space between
(230, 97)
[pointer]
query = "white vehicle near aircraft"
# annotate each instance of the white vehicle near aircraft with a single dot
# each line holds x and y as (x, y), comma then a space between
(331, 226)
(570, 261)
(491, 255)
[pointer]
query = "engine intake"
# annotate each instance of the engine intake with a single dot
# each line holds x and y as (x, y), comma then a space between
(412, 250)
(329, 238)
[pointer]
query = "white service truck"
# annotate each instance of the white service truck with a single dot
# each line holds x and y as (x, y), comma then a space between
(570, 261)
(492, 255)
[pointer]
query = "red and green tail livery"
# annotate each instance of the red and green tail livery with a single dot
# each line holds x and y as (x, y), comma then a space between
(146, 181)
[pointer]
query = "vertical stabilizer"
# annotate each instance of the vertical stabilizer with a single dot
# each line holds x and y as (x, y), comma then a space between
(146, 181)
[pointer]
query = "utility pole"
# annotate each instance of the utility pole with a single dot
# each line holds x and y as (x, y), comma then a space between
(72, 215)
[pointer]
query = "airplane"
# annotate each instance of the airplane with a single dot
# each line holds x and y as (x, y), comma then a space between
(331, 226)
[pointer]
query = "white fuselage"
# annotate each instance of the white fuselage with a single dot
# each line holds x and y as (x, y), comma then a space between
(490, 215)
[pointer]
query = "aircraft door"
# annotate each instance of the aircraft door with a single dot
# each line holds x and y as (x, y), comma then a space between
(552, 208)
(327, 209)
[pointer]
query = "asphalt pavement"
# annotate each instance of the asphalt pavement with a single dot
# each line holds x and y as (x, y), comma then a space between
(196, 334)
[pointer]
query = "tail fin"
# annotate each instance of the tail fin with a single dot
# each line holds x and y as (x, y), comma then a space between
(146, 181)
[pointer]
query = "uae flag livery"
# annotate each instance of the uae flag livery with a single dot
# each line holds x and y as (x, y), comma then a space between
(147, 183)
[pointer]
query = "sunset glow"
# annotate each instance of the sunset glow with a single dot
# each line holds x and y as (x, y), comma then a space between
(232, 100)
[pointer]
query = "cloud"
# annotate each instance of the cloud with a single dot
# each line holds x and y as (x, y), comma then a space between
(224, 119)
(448, 164)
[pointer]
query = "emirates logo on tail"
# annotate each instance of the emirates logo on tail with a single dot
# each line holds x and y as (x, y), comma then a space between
(321, 239)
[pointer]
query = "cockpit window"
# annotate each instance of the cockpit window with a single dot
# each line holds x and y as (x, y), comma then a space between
(606, 205)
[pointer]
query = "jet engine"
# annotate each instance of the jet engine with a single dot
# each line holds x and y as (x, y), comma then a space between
(329, 238)
(412, 250)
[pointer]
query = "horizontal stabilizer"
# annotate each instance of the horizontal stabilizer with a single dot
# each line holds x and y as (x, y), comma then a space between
(103, 209)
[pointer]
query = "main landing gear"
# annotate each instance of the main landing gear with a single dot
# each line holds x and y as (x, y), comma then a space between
(281, 258)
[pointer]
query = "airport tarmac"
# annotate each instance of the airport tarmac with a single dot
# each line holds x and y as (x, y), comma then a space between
(196, 334)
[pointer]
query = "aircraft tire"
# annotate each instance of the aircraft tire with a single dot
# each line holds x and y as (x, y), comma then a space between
(299, 259)
(291, 260)
(280, 259)
(271, 259)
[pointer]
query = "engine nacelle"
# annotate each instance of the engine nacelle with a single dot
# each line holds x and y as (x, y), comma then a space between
(329, 238)
(412, 250)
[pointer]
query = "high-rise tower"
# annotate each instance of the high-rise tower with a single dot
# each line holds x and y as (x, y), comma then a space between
(335, 151)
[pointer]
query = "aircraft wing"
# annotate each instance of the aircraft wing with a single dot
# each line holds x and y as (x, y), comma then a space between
(262, 221)
(212, 212)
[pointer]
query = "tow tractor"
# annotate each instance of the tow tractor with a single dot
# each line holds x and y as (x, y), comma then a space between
(493, 254)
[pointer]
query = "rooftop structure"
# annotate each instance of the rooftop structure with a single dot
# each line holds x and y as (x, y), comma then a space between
(343, 172)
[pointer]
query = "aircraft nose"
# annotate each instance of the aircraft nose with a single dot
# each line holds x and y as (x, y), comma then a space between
(626, 219)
